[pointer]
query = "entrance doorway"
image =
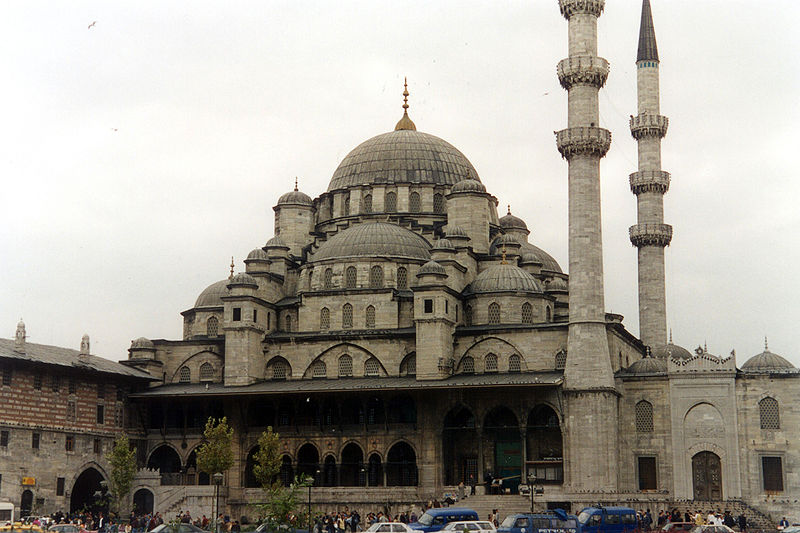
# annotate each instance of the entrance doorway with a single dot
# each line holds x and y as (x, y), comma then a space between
(83, 492)
(143, 502)
(707, 476)
(26, 503)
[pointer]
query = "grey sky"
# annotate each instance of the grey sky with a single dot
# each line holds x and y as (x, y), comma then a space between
(141, 153)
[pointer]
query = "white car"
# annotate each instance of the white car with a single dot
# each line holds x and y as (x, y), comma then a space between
(479, 526)
(390, 527)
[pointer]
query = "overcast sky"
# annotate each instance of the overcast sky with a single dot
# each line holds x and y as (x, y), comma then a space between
(141, 153)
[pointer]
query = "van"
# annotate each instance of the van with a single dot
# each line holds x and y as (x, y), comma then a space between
(556, 521)
(435, 519)
(6, 513)
(608, 520)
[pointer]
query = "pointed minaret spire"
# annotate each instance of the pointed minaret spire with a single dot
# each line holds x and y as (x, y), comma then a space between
(648, 50)
(405, 123)
(232, 265)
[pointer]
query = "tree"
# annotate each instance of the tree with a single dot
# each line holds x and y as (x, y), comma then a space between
(122, 459)
(268, 460)
(216, 453)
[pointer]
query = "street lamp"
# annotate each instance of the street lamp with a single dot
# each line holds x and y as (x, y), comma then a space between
(217, 482)
(311, 484)
(533, 489)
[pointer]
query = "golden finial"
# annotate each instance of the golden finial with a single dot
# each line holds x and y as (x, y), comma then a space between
(504, 262)
(405, 123)
(509, 209)
(232, 265)
(295, 183)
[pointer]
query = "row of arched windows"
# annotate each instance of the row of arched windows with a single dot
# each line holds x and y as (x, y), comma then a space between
(279, 369)
(376, 278)
(372, 367)
(390, 203)
(347, 317)
(206, 373)
(768, 410)
(490, 363)
(494, 316)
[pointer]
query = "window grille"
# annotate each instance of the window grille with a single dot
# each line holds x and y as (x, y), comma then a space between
(527, 313)
(328, 278)
(402, 278)
(206, 372)
(376, 277)
(561, 360)
(7, 377)
(319, 370)
(288, 322)
(370, 317)
(345, 366)
(411, 366)
(770, 414)
(37, 381)
(644, 417)
(390, 202)
(468, 315)
(280, 370)
(350, 277)
(324, 318)
(212, 326)
(438, 203)
(772, 473)
(185, 374)
(414, 204)
(71, 411)
(119, 418)
(346, 205)
(69, 443)
(468, 365)
(347, 316)
(56, 383)
(494, 313)
(514, 364)
(372, 367)
(101, 414)
(366, 203)
(491, 362)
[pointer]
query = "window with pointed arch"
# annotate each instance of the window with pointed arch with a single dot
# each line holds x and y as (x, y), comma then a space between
(409, 366)
(288, 321)
(327, 278)
(319, 369)
(494, 313)
(548, 314)
(206, 372)
(468, 315)
(514, 363)
(561, 360)
(212, 326)
(490, 362)
(345, 366)
(376, 277)
(769, 413)
(347, 316)
(527, 313)
(644, 417)
(350, 277)
(279, 370)
(468, 365)
(414, 203)
(372, 367)
(402, 278)
(366, 203)
(324, 318)
(438, 203)
(390, 202)
(370, 317)
(185, 374)
(346, 204)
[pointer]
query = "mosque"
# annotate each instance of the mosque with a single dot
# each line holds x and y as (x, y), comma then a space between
(402, 336)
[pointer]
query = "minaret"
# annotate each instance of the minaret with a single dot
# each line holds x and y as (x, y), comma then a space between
(591, 398)
(650, 235)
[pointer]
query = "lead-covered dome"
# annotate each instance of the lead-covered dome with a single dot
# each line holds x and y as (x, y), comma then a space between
(403, 156)
(511, 222)
(295, 197)
(648, 365)
(672, 351)
(212, 295)
(767, 361)
(503, 278)
(529, 253)
(376, 239)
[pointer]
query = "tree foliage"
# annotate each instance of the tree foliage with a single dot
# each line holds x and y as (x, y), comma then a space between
(267, 460)
(216, 452)
(122, 459)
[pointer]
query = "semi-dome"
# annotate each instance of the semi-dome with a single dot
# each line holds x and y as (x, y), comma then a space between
(142, 343)
(455, 232)
(767, 361)
(503, 278)
(275, 242)
(443, 244)
(402, 156)
(374, 239)
(243, 278)
(432, 267)
(468, 185)
(511, 222)
(212, 295)
(648, 365)
(672, 351)
(557, 284)
(547, 261)
(295, 197)
(506, 239)
(257, 255)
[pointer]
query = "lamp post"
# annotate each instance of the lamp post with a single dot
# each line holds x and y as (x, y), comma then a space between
(217, 482)
(311, 484)
(533, 489)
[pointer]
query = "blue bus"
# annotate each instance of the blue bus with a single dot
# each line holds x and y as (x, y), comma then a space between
(555, 521)
(435, 519)
(608, 520)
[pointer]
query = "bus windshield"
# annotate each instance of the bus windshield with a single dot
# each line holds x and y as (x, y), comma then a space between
(426, 519)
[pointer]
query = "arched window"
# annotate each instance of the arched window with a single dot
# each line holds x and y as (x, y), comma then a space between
(414, 205)
(185, 374)
(346, 204)
(514, 364)
(644, 417)
(370, 317)
(327, 281)
(319, 370)
(770, 414)
(527, 313)
(206, 372)
(390, 202)
(491, 363)
(468, 315)
(468, 365)
(402, 278)
(324, 318)
(376, 277)
(350, 277)
(438, 203)
(288, 321)
(561, 360)
(366, 203)
(494, 313)
(212, 325)
(372, 367)
(279, 370)
(347, 316)
(345, 366)
(548, 315)
(408, 367)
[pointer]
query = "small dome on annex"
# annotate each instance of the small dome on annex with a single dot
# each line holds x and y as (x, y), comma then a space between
(257, 254)
(503, 278)
(671, 351)
(468, 185)
(295, 197)
(243, 278)
(142, 343)
(648, 365)
(374, 239)
(212, 295)
(511, 222)
(767, 361)
(432, 267)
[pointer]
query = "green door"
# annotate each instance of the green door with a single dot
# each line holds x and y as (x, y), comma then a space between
(508, 458)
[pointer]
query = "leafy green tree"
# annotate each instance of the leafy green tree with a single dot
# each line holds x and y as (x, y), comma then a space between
(216, 452)
(122, 459)
(268, 460)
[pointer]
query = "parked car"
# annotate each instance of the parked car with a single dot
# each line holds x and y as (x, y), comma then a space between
(556, 521)
(435, 519)
(18, 527)
(481, 526)
(678, 526)
(177, 528)
(390, 527)
(64, 528)
(608, 520)
(711, 529)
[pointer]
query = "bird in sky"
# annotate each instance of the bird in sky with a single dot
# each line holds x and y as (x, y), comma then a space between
(91, 25)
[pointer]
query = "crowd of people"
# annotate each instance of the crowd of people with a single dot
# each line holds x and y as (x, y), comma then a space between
(698, 518)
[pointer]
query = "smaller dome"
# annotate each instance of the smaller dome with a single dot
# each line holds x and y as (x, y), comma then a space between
(212, 295)
(257, 255)
(432, 267)
(511, 222)
(142, 343)
(276, 242)
(374, 239)
(455, 232)
(557, 284)
(468, 185)
(648, 365)
(443, 244)
(503, 277)
(295, 197)
(767, 361)
(506, 239)
(671, 351)
(243, 278)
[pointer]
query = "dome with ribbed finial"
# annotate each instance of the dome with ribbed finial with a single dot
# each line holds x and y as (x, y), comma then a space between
(767, 361)
(295, 197)
(212, 295)
(503, 278)
(648, 365)
(468, 185)
(511, 222)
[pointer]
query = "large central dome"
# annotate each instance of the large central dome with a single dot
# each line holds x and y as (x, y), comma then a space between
(403, 156)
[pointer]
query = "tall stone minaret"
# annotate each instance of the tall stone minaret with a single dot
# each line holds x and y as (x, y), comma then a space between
(591, 398)
(650, 235)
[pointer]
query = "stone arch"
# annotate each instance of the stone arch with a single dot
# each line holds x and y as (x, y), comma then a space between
(373, 367)
(249, 479)
(193, 475)
(287, 470)
(351, 465)
(278, 368)
(460, 445)
(408, 366)
(401, 464)
(167, 460)
(316, 369)
(375, 470)
(143, 501)
(703, 420)
(492, 344)
(26, 503)
(545, 444)
(84, 485)
(330, 471)
(308, 460)
(502, 432)
(358, 355)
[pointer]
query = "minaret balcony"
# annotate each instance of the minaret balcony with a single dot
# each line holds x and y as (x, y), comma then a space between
(650, 235)
(645, 125)
(583, 140)
(586, 7)
(649, 181)
(583, 70)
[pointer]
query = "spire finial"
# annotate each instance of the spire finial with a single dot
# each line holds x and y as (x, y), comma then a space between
(295, 183)
(232, 265)
(509, 209)
(766, 345)
(670, 335)
(705, 347)
(504, 262)
(405, 123)
(405, 94)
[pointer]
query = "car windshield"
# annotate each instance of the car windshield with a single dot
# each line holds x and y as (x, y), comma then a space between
(509, 521)
(425, 519)
(486, 525)
(583, 518)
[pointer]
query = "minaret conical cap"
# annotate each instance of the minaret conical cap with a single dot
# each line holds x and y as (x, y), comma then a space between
(648, 50)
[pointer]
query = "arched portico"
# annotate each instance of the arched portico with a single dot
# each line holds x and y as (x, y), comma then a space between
(82, 495)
